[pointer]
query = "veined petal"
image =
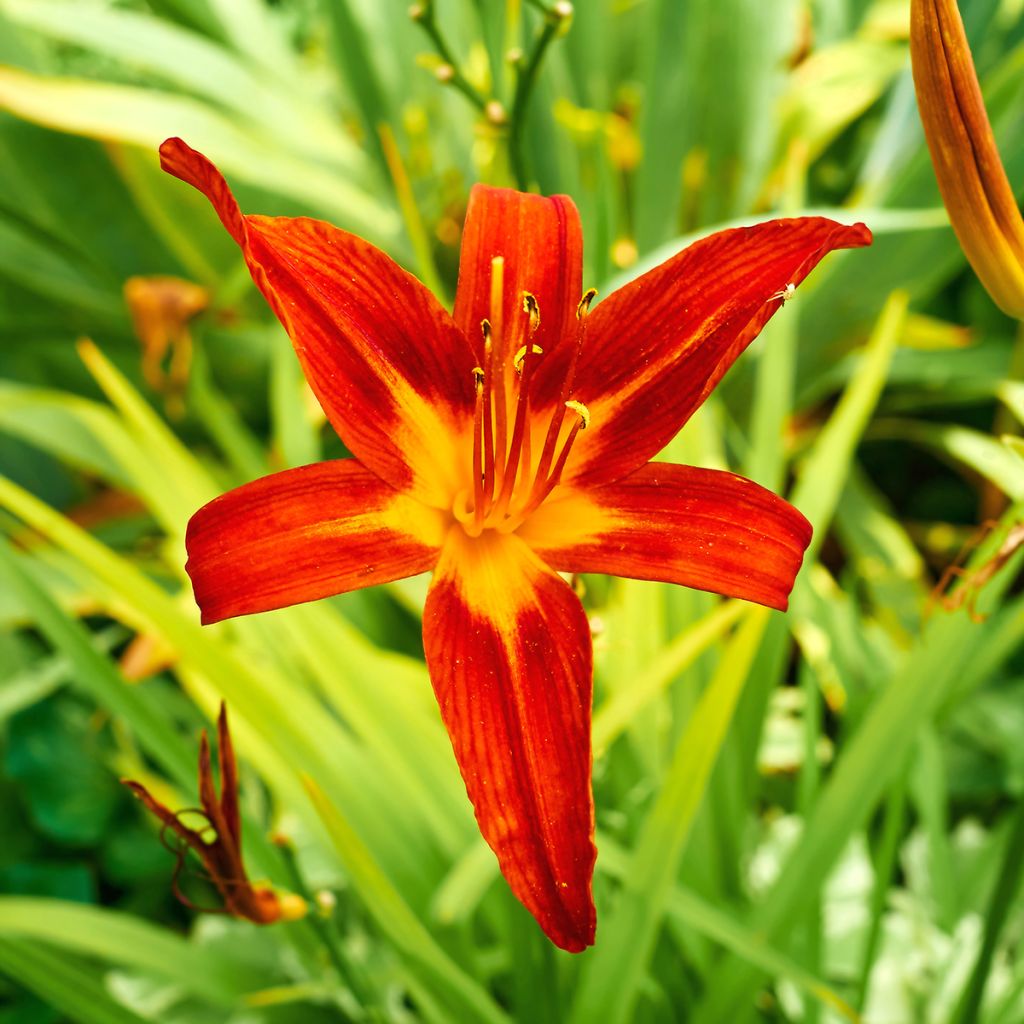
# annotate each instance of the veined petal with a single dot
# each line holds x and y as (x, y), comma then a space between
(387, 363)
(702, 528)
(541, 242)
(508, 649)
(971, 177)
(656, 348)
(304, 534)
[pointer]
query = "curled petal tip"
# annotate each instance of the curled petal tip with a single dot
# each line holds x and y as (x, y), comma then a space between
(860, 235)
(581, 937)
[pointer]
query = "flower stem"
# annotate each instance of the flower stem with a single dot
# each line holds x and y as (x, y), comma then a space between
(425, 16)
(893, 821)
(414, 225)
(554, 19)
(324, 930)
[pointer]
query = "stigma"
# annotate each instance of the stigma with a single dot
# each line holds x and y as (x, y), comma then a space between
(519, 449)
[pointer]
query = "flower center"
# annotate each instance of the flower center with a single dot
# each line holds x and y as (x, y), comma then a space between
(511, 474)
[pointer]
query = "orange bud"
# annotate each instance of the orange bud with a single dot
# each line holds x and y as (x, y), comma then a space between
(971, 177)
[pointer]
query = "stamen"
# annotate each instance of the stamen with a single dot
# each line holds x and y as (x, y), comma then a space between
(517, 362)
(496, 363)
(488, 420)
(582, 411)
(530, 355)
(554, 428)
(544, 486)
(478, 455)
(556, 474)
(496, 500)
(530, 306)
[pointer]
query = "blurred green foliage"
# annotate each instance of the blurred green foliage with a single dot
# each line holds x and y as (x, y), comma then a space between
(810, 817)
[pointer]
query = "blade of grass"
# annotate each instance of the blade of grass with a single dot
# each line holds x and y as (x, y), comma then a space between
(869, 763)
(615, 714)
(823, 473)
(95, 673)
(698, 914)
(1002, 899)
(398, 922)
(893, 821)
(145, 117)
(129, 942)
(76, 991)
(612, 975)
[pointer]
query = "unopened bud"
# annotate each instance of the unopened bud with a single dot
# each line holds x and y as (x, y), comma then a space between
(326, 902)
(293, 908)
(444, 73)
(495, 113)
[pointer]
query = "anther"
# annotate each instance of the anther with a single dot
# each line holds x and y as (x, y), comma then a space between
(785, 295)
(530, 306)
(485, 327)
(582, 411)
(584, 306)
(520, 357)
(478, 377)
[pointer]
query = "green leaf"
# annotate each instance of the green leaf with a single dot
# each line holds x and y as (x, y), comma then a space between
(58, 761)
(146, 117)
(615, 969)
(615, 714)
(870, 761)
(94, 673)
(127, 941)
(64, 982)
(398, 922)
(962, 446)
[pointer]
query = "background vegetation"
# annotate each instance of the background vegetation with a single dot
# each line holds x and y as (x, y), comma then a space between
(809, 817)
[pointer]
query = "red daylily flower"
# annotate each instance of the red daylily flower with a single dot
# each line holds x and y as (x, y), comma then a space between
(221, 855)
(498, 447)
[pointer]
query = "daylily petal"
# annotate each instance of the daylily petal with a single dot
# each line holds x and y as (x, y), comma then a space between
(385, 360)
(702, 528)
(973, 183)
(541, 243)
(508, 648)
(656, 348)
(304, 534)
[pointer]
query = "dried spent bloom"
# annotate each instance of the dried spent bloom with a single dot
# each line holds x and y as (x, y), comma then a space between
(497, 447)
(161, 308)
(222, 855)
(973, 183)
